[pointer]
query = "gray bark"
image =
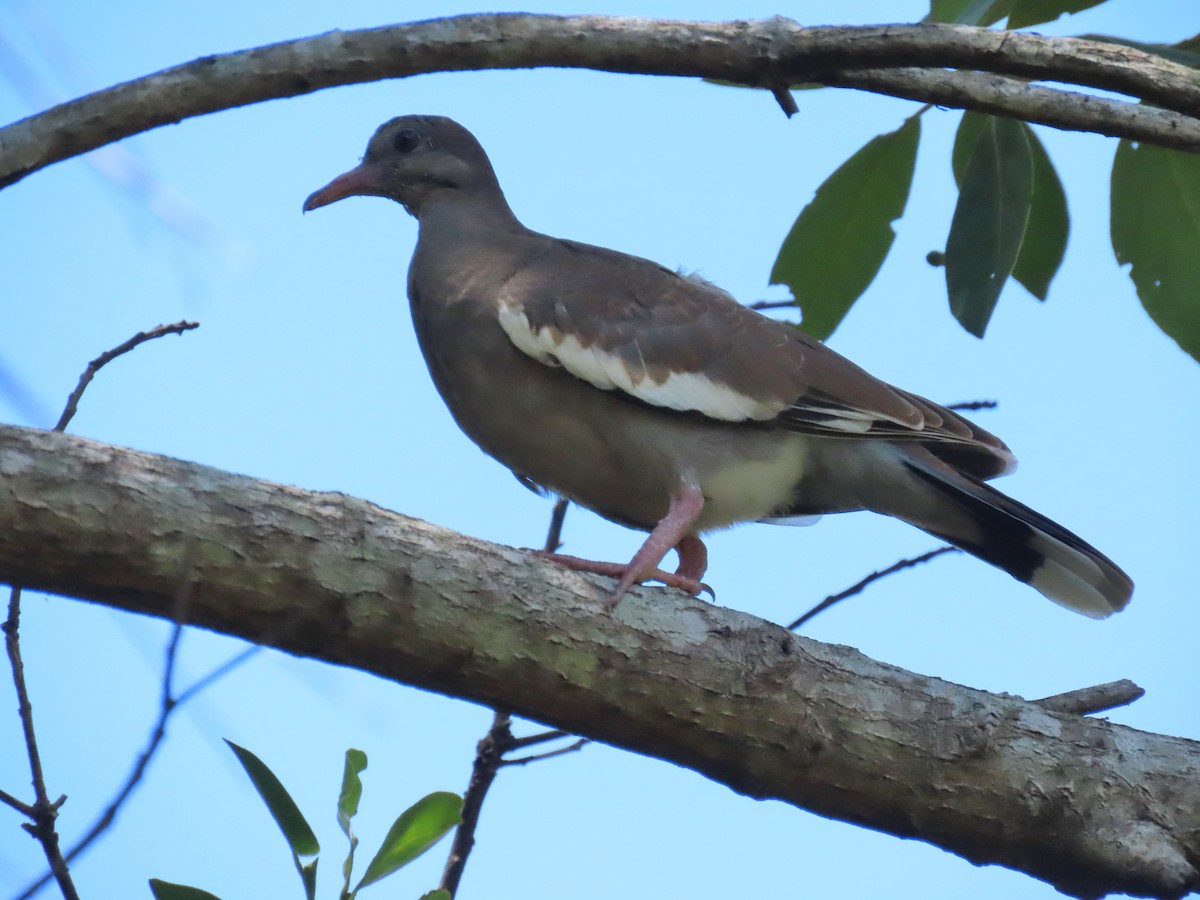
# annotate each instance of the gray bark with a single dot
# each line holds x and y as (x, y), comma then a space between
(901, 60)
(1087, 805)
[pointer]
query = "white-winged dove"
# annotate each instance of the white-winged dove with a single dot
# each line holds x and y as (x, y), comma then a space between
(659, 402)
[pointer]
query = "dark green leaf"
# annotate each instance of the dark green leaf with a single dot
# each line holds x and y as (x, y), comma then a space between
(348, 864)
(840, 239)
(419, 827)
(1045, 239)
(439, 894)
(1049, 224)
(351, 793)
(308, 874)
(989, 221)
(1156, 227)
(165, 890)
(1192, 43)
(968, 12)
(283, 808)
(965, 139)
(1186, 53)
(356, 762)
(1035, 12)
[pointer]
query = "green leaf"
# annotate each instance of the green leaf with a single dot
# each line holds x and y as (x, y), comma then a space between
(356, 762)
(308, 874)
(1045, 239)
(965, 139)
(439, 894)
(1190, 44)
(989, 221)
(283, 808)
(839, 241)
(968, 12)
(1035, 12)
(419, 827)
(1049, 224)
(1156, 227)
(165, 890)
(351, 793)
(1186, 53)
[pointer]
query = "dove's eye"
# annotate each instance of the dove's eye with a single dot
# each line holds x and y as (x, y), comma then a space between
(406, 141)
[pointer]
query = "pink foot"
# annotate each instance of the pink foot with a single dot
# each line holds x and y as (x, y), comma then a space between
(619, 570)
(672, 532)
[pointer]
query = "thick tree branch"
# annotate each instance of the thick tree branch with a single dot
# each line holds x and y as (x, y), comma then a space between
(768, 53)
(1017, 98)
(1086, 805)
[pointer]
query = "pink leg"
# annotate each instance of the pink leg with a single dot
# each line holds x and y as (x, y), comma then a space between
(693, 557)
(673, 531)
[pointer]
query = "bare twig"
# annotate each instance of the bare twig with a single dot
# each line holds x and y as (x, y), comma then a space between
(168, 705)
(487, 763)
(216, 674)
(785, 99)
(973, 405)
(44, 812)
(108, 356)
(1094, 699)
(761, 305)
(489, 759)
(873, 577)
(19, 805)
(537, 757)
(534, 739)
(763, 53)
(110, 813)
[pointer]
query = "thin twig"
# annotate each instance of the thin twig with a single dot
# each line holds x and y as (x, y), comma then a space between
(45, 812)
(525, 760)
(19, 805)
(973, 405)
(216, 674)
(784, 98)
(169, 704)
(489, 759)
(487, 763)
(873, 577)
(530, 740)
(1094, 699)
(760, 305)
(166, 706)
(108, 356)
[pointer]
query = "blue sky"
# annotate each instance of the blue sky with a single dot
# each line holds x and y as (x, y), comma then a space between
(305, 371)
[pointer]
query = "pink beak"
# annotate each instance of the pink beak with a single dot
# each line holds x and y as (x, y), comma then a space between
(357, 182)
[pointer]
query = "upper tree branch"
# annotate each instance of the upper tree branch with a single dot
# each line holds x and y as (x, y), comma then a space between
(1086, 805)
(768, 53)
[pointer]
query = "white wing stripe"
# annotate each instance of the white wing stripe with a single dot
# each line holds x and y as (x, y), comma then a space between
(689, 391)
